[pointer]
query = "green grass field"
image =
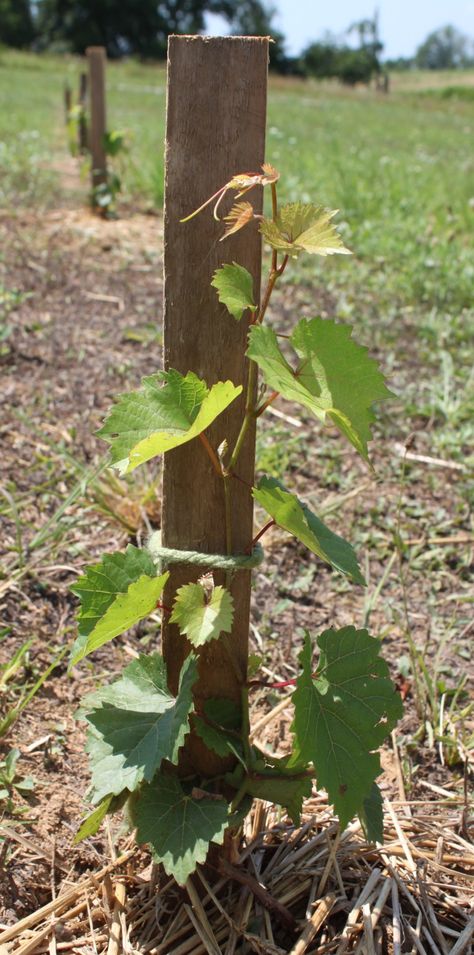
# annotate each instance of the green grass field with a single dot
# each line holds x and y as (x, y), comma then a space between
(399, 168)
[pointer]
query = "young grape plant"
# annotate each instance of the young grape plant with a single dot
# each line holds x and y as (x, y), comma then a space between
(344, 703)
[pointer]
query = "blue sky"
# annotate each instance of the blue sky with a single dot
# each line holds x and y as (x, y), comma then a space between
(404, 24)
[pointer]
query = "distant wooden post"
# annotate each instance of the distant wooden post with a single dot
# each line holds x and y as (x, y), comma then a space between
(215, 128)
(82, 102)
(67, 102)
(96, 58)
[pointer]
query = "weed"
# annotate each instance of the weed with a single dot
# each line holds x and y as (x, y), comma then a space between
(12, 782)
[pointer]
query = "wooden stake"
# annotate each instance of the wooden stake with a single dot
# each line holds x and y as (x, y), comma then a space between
(96, 59)
(82, 101)
(216, 115)
(67, 102)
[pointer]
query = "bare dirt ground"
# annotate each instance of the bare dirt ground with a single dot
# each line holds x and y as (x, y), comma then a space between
(87, 328)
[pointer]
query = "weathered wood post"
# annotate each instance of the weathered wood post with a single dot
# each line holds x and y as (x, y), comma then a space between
(96, 59)
(67, 102)
(216, 112)
(82, 103)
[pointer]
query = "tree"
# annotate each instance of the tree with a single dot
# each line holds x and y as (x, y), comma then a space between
(324, 61)
(320, 59)
(16, 23)
(123, 26)
(253, 18)
(331, 57)
(128, 26)
(445, 49)
(400, 63)
(370, 48)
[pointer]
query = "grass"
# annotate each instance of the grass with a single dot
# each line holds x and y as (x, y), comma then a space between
(399, 167)
(401, 170)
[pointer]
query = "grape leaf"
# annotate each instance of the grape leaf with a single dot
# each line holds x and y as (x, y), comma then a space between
(285, 791)
(168, 411)
(291, 514)
(234, 286)
(343, 715)
(202, 619)
(215, 738)
(238, 217)
(224, 712)
(334, 378)
(135, 723)
(222, 715)
(91, 824)
(254, 664)
(371, 815)
(115, 594)
(178, 827)
(303, 228)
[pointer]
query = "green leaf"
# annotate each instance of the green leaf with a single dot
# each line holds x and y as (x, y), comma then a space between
(226, 716)
(254, 664)
(335, 378)
(168, 411)
(224, 712)
(215, 738)
(10, 764)
(371, 815)
(115, 594)
(200, 618)
(344, 714)
(91, 824)
(303, 228)
(234, 286)
(135, 723)
(25, 785)
(291, 514)
(178, 828)
(283, 790)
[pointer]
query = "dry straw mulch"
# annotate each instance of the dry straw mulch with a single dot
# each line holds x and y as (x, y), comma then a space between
(307, 889)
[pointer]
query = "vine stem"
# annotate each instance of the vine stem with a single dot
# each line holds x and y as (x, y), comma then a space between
(275, 273)
(266, 404)
(228, 512)
(227, 493)
(272, 686)
(245, 727)
(263, 531)
(241, 792)
(163, 607)
(212, 454)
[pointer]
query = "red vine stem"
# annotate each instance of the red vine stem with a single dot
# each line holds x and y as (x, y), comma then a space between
(272, 686)
(264, 529)
(264, 406)
(276, 686)
(163, 607)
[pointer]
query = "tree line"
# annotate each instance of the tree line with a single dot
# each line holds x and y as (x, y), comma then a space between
(128, 27)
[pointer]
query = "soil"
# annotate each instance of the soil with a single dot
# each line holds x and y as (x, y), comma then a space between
(87, 328)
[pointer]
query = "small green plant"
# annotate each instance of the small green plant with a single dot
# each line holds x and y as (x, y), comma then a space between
(76, 117)
(344, 702)
(21, 691)
(11, 782)
(10, 299)
(104, 195)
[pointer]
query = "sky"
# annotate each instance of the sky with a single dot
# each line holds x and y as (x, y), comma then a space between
(404, 24)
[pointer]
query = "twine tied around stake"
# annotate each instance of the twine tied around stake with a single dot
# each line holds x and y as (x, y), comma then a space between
(164, 556)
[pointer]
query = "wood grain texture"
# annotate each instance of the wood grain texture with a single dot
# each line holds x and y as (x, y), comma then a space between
(97, 59)
(216, 114)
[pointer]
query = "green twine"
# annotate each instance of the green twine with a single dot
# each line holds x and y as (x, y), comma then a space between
(233, 562)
